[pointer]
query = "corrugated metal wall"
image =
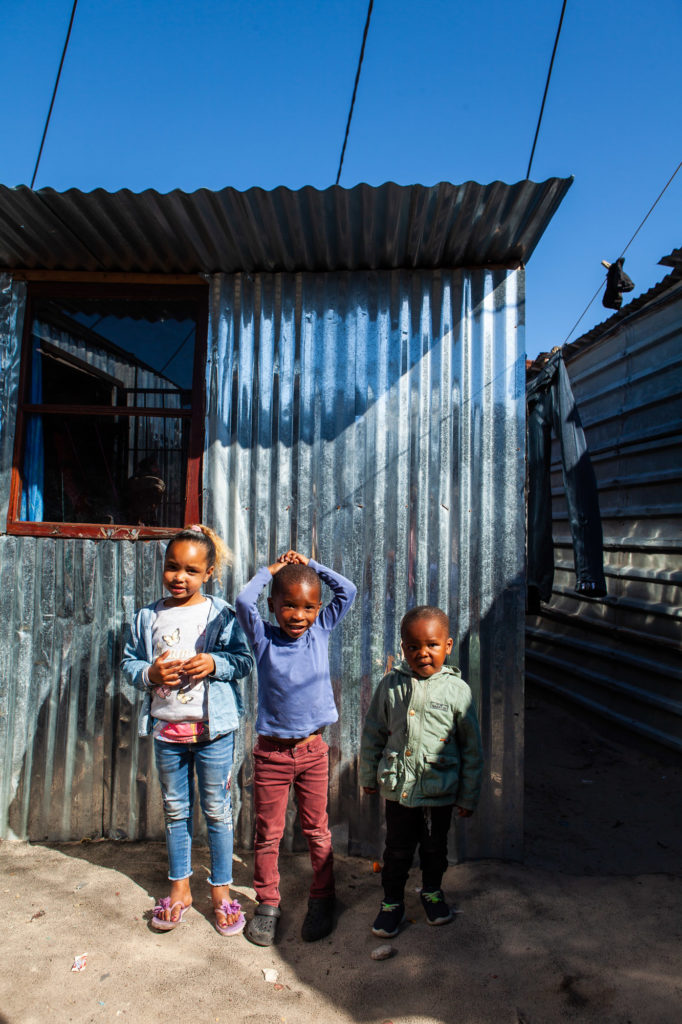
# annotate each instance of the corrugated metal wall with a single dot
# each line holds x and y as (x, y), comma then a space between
(620, 656)
(375, 419)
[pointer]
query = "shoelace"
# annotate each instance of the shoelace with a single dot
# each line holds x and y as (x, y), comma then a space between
(433, 897)
(389, 906)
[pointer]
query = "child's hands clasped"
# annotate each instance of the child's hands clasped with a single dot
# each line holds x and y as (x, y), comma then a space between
(198, 667)
(290, 557)
(166, 671)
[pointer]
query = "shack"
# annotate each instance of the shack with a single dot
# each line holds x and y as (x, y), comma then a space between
(342, 371)
(618, 656)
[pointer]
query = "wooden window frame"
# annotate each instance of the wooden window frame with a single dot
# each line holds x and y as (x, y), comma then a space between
(89, 286)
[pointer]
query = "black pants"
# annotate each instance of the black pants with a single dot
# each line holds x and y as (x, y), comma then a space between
(407, 828)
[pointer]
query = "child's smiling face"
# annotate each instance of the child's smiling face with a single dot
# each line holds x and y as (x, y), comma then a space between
(426, 645)
(185, 570)
(296, 607)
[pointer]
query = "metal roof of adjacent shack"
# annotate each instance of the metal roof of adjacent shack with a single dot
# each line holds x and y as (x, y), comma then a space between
(362, 228)
(665, 290)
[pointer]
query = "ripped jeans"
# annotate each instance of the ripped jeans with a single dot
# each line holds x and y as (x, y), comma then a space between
(176, 764)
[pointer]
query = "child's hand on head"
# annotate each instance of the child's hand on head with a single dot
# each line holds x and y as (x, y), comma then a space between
(295, 558)
(165, 671)
(290, 557)
(200, 666)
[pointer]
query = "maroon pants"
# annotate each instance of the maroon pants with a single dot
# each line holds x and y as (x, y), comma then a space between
(276, 769)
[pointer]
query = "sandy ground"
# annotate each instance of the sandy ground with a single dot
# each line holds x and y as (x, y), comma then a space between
(587, 929)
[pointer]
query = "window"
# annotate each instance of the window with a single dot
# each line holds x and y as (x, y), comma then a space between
(111, 409)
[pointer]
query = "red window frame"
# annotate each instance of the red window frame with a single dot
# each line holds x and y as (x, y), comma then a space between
(192, 292)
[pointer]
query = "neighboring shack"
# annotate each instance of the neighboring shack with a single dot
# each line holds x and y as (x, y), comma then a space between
(340, 371)
(619, 656)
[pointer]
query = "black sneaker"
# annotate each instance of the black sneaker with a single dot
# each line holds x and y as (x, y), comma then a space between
(319, 920)
(389, 919)
(437, 910)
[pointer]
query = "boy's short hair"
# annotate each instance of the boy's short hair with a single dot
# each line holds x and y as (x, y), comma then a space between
(294, 573)
(424, 611)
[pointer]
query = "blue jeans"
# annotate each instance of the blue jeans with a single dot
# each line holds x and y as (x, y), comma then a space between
(176, 764)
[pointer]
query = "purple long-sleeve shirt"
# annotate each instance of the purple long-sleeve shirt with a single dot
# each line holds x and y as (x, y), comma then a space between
(295, 696)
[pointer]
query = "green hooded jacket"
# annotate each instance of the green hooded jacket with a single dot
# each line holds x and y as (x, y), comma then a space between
(421, 744)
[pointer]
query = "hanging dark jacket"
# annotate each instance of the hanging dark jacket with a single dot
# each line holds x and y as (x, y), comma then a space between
(551, 406)
(617, 282)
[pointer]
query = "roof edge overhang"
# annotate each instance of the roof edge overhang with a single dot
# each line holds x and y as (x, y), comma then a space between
(366, 227)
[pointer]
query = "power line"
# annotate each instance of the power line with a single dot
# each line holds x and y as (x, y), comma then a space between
(178, 350)
(544, 97)
(355, 87)
(642, 223)
(651, 209)
(54, 92)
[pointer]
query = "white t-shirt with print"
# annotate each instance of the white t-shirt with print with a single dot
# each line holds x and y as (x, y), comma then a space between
(181, 631)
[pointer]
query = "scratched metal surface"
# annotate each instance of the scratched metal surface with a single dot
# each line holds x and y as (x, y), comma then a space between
(375, 419)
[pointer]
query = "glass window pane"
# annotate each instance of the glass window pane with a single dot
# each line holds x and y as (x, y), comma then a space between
(114, 351)
(124, 470)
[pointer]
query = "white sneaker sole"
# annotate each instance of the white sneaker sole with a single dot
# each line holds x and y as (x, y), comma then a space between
(382, 934)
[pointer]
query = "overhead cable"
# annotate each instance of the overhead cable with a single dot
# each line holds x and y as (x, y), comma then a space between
(54, 92)
(355, 87)
(544, 97)
(642, 223)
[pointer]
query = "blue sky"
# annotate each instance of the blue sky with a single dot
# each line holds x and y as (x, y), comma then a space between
(185, 95)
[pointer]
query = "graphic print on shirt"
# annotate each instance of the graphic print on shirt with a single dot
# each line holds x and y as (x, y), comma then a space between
(169, 642)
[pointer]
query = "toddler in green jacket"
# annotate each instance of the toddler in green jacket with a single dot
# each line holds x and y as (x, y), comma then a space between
(421, 749)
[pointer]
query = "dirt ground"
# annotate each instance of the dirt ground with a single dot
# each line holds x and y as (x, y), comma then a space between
(587, 929)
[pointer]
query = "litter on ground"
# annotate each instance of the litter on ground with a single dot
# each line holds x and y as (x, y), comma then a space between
(383, 952)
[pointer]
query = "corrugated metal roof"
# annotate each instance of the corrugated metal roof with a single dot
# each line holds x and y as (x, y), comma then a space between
(674, 259)
(365, 227)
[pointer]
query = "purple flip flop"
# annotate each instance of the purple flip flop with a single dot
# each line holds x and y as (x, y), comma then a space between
(230, 908)
(159, 923)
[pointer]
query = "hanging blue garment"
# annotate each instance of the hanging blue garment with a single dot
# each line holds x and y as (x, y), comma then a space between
(34, 449)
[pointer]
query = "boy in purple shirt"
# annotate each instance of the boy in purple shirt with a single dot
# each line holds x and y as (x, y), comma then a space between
(295, 703)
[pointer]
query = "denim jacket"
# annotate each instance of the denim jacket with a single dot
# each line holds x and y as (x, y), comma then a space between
(227, 645)
(421, 745)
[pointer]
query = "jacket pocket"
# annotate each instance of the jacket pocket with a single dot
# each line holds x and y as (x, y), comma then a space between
(387, 772)
(440, 775)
